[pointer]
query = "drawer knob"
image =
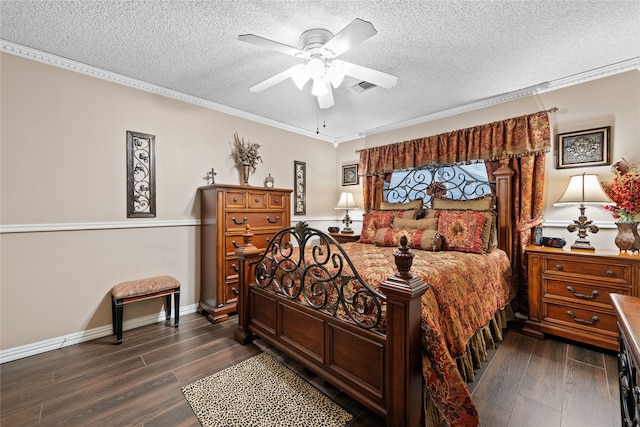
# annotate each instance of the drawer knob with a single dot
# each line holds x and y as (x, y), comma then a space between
(257, 200)
(593, 320)
(235, 245)
(273, 221)
(235, 200)
(610, 273)
(235, 291)
(236, 222)
(235, 268)
(276, 200)
(594, 294)
(558, 267)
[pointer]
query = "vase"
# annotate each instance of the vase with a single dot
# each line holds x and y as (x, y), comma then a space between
(628, 238)
(245, 171)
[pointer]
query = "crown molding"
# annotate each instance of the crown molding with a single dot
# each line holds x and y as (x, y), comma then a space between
(598, 73)
(57, 61)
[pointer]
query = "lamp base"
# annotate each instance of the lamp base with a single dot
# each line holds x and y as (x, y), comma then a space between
(346, 230)
(583, 244)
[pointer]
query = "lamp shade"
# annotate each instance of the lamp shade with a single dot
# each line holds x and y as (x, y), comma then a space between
(346, 201)
(586, 190)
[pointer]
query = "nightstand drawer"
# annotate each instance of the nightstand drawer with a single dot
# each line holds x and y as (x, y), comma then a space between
(585, 293)
(583, 267)
(581, 318)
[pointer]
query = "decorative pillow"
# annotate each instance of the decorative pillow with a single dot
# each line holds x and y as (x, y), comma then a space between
(462, 230)
(416, 224)
(428, 240)
(378, 219)
(484, 203)
(408, 206)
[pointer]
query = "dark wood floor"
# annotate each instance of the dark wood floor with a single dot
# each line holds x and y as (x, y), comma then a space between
(526, 382)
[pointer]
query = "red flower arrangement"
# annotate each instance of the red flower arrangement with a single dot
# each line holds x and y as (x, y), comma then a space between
(625, 191)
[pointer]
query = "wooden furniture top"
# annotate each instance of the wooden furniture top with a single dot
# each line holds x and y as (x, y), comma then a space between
(628, 310)
(586, 253)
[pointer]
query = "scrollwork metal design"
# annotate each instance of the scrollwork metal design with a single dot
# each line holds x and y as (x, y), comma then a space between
(306, 265)
(140, 175)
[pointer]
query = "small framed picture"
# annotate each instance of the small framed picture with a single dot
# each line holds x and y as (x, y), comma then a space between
(584, 148)
(350, 175)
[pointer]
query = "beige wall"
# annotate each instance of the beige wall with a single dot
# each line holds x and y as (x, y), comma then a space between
(613, 101)
(63, 168)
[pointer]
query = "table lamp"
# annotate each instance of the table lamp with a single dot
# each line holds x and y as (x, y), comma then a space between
(582, 191)
(346, 202)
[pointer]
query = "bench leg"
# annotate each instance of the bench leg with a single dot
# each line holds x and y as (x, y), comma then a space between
(167, 307)
(117, 308)
(176, 300)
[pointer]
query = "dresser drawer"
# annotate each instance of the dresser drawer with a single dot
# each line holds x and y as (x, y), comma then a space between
(236, 199)
(585, 293)
(583, 267)
(257, 200)
(238, 220)
(276, 201)
(259, 240)
(231, 269)
(581, 318)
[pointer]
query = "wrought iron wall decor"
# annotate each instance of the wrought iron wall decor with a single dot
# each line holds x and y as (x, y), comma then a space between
(583, 148)
(299, 187)
(141, 175)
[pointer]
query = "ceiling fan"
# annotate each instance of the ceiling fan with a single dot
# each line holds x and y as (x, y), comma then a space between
(319, 50)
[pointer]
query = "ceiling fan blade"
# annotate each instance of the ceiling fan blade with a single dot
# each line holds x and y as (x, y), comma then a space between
(351, 35)
(378, 78)
(326, 101)
(272, 81)
(270, 44)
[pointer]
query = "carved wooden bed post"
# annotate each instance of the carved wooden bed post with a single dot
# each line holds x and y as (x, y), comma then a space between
(504, 193)
(246, 253)
(403, 348)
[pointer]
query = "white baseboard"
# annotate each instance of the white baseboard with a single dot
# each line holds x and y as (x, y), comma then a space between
(82, 336)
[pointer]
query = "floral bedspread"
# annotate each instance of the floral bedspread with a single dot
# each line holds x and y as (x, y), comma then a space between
(466, 291)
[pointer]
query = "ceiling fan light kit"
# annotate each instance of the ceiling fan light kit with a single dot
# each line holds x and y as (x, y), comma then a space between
(319, 50)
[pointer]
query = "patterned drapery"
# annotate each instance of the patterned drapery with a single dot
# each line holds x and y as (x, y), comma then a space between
(524, 139)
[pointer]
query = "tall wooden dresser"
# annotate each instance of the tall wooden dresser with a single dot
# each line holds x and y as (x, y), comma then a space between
(225, 212)
(569, 293)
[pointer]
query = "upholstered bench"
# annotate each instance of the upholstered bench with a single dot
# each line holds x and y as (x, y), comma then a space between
(141, 289)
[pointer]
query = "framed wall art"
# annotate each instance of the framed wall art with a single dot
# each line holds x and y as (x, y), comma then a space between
(299, 187)
(589, 147)
(350, 175)
(141, 175)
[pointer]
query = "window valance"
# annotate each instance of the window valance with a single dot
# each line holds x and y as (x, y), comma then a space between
(515, 137)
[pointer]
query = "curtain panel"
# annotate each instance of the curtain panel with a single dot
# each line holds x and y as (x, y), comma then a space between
(524, 139)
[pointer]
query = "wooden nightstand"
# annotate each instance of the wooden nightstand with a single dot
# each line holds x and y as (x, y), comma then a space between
(569, 293)
(345, 238)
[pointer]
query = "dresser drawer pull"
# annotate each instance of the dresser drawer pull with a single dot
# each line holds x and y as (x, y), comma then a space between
(257, 200)
(276, 201)
(583, 296)
(235, 267)
(236, 222)
(593, 320)
(273, 221)
(235, 291)
(235, 200)
(235, 245)
(558, 267)
(610, 273)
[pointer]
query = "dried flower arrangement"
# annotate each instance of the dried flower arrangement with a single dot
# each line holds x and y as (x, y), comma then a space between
(245, 153)
(625, 191)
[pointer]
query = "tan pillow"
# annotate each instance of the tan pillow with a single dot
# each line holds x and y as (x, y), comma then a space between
(414, 204)
(484, 203)
(416, 224)
(428, 240)
(376, 219)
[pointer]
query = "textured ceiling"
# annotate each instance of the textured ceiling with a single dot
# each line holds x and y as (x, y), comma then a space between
(448, 55)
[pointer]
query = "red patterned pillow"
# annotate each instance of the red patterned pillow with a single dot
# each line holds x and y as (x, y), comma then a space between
(462, 231)
(379, 219)
(428, 240)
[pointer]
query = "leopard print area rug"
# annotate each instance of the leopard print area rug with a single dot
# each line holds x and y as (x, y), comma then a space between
(261, 391)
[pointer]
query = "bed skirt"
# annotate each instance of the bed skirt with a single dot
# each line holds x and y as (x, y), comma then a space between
(483, 339)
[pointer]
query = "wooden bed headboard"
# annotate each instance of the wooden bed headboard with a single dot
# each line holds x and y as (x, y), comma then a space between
(420, 180)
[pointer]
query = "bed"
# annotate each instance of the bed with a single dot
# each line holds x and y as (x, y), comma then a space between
(394, 323)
